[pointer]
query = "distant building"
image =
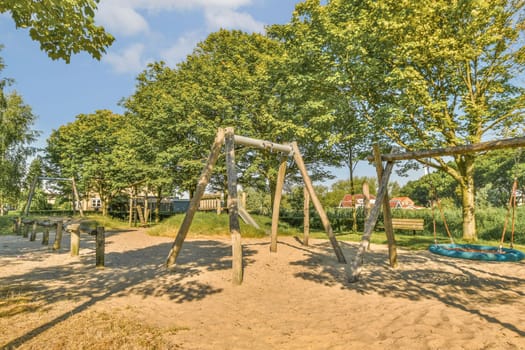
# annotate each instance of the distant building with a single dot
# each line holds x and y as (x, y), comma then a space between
(403, 203)
(359, 200)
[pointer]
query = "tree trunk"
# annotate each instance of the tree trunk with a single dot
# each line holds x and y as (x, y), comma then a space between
(466, 168)
(157, 207)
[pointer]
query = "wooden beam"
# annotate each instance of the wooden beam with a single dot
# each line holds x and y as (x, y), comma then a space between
(317, 204)
(194, 202)
(233, 207)
(370, 224)
(387, 213)
(267, 145)
(515, 142)
(277, 203)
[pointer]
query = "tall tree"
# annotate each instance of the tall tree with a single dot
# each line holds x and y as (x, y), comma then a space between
(433, 73)
(16, 134)
(61, 27)
(95, 150)
(231, 79)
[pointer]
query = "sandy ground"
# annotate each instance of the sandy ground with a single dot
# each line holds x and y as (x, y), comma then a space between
(297, 298)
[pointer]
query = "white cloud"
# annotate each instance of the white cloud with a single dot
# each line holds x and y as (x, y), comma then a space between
(128, 61)
(229, 19)
(128, 20)
(183, 47)
(121, 19)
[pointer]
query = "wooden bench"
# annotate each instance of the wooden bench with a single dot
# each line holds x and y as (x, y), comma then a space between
(408, 224)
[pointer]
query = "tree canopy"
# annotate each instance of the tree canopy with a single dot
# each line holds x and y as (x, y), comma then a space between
(61, 27)
(95, 150)
(16, 134)
(425, 74)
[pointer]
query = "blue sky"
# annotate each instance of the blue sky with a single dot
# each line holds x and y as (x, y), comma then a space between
(145, 31)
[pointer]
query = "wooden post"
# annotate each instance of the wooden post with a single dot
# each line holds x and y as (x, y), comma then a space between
(100, 246)
(306, 213)
(33, 232)
(58, 236)
(387, 214)
(77, 198)
(233, 208)
(194, 202)
(317, 204)
(74, 230)
(45, 236)
(370, 224)
(26, 223)
(277, 203)
(16, 225)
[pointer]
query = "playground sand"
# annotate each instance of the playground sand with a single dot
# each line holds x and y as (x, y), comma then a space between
(297, 298)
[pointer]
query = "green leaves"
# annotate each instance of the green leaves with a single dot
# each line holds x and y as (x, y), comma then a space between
(63, 28)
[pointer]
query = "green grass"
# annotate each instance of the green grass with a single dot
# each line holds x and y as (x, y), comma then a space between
(211, 224)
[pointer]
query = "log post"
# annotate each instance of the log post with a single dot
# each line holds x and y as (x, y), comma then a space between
(194, 202)
(26, 223)
(33, 232)
(45, 236)
(306, 213)
(387, 213)
(74, 230)
(100, 247)
(277, 203)
(233, 208)
(370, 224)
(317, 204)
(16, 226)
(58, 236)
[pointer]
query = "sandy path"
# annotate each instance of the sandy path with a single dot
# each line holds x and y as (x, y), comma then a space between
(297, 298)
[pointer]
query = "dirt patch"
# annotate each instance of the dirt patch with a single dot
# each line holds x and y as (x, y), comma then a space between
(297, 298)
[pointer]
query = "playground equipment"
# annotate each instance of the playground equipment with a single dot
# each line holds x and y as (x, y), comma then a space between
(228, 137)
(382, 195)
(481, 252)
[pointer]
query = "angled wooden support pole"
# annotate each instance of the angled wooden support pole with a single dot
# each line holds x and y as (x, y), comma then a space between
(194, 202)
(370, 224)
(233, 208)
(317, 204)
(387, 213)
(77, 198)
(277, 202)
(306, 214)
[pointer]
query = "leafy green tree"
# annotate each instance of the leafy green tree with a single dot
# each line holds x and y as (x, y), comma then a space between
(61, 27)
(95, 150)
(16, 121)
(231, 79)
(430, 74)
(495, 173)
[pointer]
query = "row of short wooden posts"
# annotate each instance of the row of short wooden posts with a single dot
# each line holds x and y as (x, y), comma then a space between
(28, 228)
